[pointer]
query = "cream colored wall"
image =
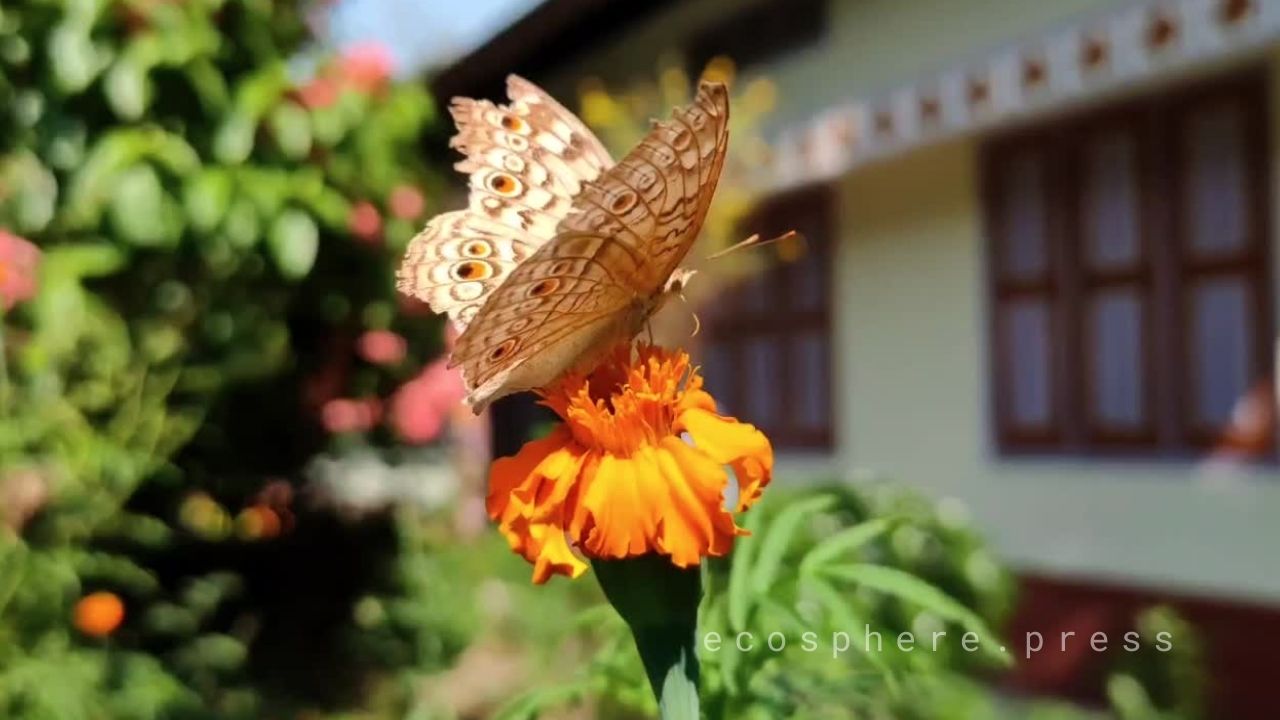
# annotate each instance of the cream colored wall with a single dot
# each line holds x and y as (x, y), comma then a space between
(869, 46)
(912, 366)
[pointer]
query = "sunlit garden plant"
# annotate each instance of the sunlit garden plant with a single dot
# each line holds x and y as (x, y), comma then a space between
(209, 307)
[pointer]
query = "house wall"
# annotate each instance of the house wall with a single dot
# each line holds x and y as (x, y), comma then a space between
(910, 322)
(912, 339)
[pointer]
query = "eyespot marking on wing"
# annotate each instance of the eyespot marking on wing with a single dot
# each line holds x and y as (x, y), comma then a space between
(470, 270)
(505, 184)
(507, 347)
(514, 124)
(477, 249)
(544, 287)
(623, 201)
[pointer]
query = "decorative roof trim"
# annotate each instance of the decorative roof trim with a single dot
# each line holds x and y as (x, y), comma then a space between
(1139, 43)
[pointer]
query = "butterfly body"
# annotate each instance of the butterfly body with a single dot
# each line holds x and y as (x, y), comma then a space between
(562, 254)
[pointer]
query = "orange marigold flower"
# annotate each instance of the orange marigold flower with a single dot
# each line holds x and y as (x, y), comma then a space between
(99, 614)
(638, 467)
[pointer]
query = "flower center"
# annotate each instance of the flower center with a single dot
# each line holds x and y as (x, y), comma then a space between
(626, 403)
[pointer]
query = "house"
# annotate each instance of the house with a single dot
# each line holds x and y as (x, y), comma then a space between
(1042, 278)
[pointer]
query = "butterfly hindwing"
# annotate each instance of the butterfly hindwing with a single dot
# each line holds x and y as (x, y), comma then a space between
(525, 161)
(458, 259)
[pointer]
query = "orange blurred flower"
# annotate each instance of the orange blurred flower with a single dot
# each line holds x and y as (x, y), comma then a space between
(638, 467)
(320, 92)
(258, 522)
(99, 614)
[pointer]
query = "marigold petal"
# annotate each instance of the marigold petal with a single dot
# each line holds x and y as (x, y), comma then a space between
(619, 507)
(696, 522)
(526, 497)
(697, 398)
(554, 556)
(508, 473)
(738, 445)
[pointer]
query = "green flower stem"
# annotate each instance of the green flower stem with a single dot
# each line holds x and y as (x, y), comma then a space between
(659, 602)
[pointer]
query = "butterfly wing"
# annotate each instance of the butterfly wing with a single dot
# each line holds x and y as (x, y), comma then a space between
(598, 280)
(525, 162)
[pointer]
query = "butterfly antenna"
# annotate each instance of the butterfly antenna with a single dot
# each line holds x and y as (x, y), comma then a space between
(754, 241)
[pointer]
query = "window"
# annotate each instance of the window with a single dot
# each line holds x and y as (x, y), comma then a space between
(767, 347)
(1131, 308)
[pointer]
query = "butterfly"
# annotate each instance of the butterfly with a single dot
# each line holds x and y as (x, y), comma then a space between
(561, 253)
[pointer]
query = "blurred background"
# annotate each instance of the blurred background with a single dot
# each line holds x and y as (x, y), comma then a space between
(1018, 371)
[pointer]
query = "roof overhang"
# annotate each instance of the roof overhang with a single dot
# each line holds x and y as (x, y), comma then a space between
(552, 34)
(1096, 56)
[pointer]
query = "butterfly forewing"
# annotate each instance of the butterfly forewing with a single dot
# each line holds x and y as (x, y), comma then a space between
(598, 279)
(525, 162)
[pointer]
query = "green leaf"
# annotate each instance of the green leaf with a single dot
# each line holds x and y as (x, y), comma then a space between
(262, 90)
(242, 225)
(294, 241)
(329, 124)
(910, 588)
(1129, 699)
(97, 180)
(841, 543)
(12, 569)
(74, 57)
(842, 617)
(32, 195)
(74, 262)
(740, 590)
(210, 86)
(127, 88)
(137, 208)
(233, 142)
(268, 188)
(207, 197)
(215, 651)
(291, 126)
(774, 545)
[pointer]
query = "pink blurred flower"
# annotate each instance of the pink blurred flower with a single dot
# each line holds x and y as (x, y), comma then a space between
(344, 415)
(421, 406)
(381, 347)
(19, 261)
(321, 92)
(365, 222)
(367, 66)
(407, 202)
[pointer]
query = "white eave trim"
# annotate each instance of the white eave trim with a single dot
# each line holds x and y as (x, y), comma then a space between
(1099, 54)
